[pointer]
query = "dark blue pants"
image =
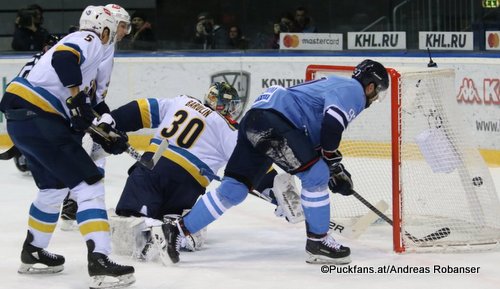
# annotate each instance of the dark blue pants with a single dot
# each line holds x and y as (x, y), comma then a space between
(53, 150)
(167, 189)
(264, 137)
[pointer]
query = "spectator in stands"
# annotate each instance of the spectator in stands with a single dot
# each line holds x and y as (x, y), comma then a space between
(29, 35)
(303, 22)
(235, 38)
(208, 34)
(142, 36)
(283, 24)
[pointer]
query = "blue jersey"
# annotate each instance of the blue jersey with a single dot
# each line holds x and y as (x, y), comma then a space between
(305, 104)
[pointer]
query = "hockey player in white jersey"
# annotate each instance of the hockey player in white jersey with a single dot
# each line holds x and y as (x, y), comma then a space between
(201, 137)
(98, 95)
(299, 129)
(46, 114)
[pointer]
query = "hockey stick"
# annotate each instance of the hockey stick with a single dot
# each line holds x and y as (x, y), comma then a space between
(10, 153)
(159, 152)
(149, 164)
(439, 234)
(213, 176)
(352, 232)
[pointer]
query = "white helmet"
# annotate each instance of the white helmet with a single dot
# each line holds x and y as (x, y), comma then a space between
(97, 18)
(120, 15)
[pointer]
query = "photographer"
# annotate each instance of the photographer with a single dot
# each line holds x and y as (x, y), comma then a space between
(283, 24)
(208, 34)
(29, 35)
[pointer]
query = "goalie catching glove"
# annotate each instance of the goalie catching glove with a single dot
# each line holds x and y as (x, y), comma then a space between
(80, 111)
(340, 179)
(111, 140)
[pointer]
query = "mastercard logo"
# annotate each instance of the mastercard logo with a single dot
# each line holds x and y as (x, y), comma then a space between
(291, 41)
(493, 40)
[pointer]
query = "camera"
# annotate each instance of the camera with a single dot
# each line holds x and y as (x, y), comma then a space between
(208, 26)
(26, 17)
(285, 26)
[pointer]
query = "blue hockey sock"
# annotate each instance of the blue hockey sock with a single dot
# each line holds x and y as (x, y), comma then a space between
(316, 207)
(204, 212)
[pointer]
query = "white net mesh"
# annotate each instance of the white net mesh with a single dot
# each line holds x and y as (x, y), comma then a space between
(443, 179)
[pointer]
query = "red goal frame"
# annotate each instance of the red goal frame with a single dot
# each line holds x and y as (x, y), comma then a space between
(395, 97)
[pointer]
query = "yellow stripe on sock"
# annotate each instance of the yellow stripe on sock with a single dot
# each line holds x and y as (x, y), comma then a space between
(97, 226)
(42, 227)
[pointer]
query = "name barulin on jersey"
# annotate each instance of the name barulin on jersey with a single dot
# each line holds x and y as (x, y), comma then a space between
(199, 108)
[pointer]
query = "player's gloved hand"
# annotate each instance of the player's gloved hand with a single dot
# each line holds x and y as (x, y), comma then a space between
(80, 111)
(112, 141)
(340, 180)
(331, 157)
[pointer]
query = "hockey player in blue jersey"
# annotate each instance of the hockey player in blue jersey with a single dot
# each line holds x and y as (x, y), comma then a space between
(46, 114)
(299, 129)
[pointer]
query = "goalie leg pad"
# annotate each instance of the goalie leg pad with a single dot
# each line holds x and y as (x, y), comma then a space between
(127, 235)
(288, 199)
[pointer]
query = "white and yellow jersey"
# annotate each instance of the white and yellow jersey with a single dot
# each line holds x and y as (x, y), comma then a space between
(43, 87)
(199, 138)
(104, 75)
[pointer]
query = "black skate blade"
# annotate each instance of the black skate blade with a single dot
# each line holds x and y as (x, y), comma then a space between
(439, 234)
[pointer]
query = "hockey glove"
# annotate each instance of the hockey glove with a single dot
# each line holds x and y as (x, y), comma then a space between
(340, 180)
(331, 157)
(112, 141)
(80, 111)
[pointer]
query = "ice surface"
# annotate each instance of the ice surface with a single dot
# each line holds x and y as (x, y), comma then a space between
(247, 248)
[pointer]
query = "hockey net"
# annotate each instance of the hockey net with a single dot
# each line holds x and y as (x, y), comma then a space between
(412, 151)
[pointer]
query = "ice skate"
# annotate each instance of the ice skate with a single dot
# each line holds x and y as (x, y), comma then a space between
(174, 238)
(36, 260)
(327, 251)
(105, 273)
(192, 242)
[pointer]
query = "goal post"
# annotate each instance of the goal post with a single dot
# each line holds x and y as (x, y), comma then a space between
(412, 150)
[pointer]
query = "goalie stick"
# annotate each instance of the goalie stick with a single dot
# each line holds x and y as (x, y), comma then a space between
(439, 234)
(10, 153)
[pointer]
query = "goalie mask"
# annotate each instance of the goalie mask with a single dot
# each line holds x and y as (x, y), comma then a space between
(369, 71)
(97, 19)
(224, 99)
